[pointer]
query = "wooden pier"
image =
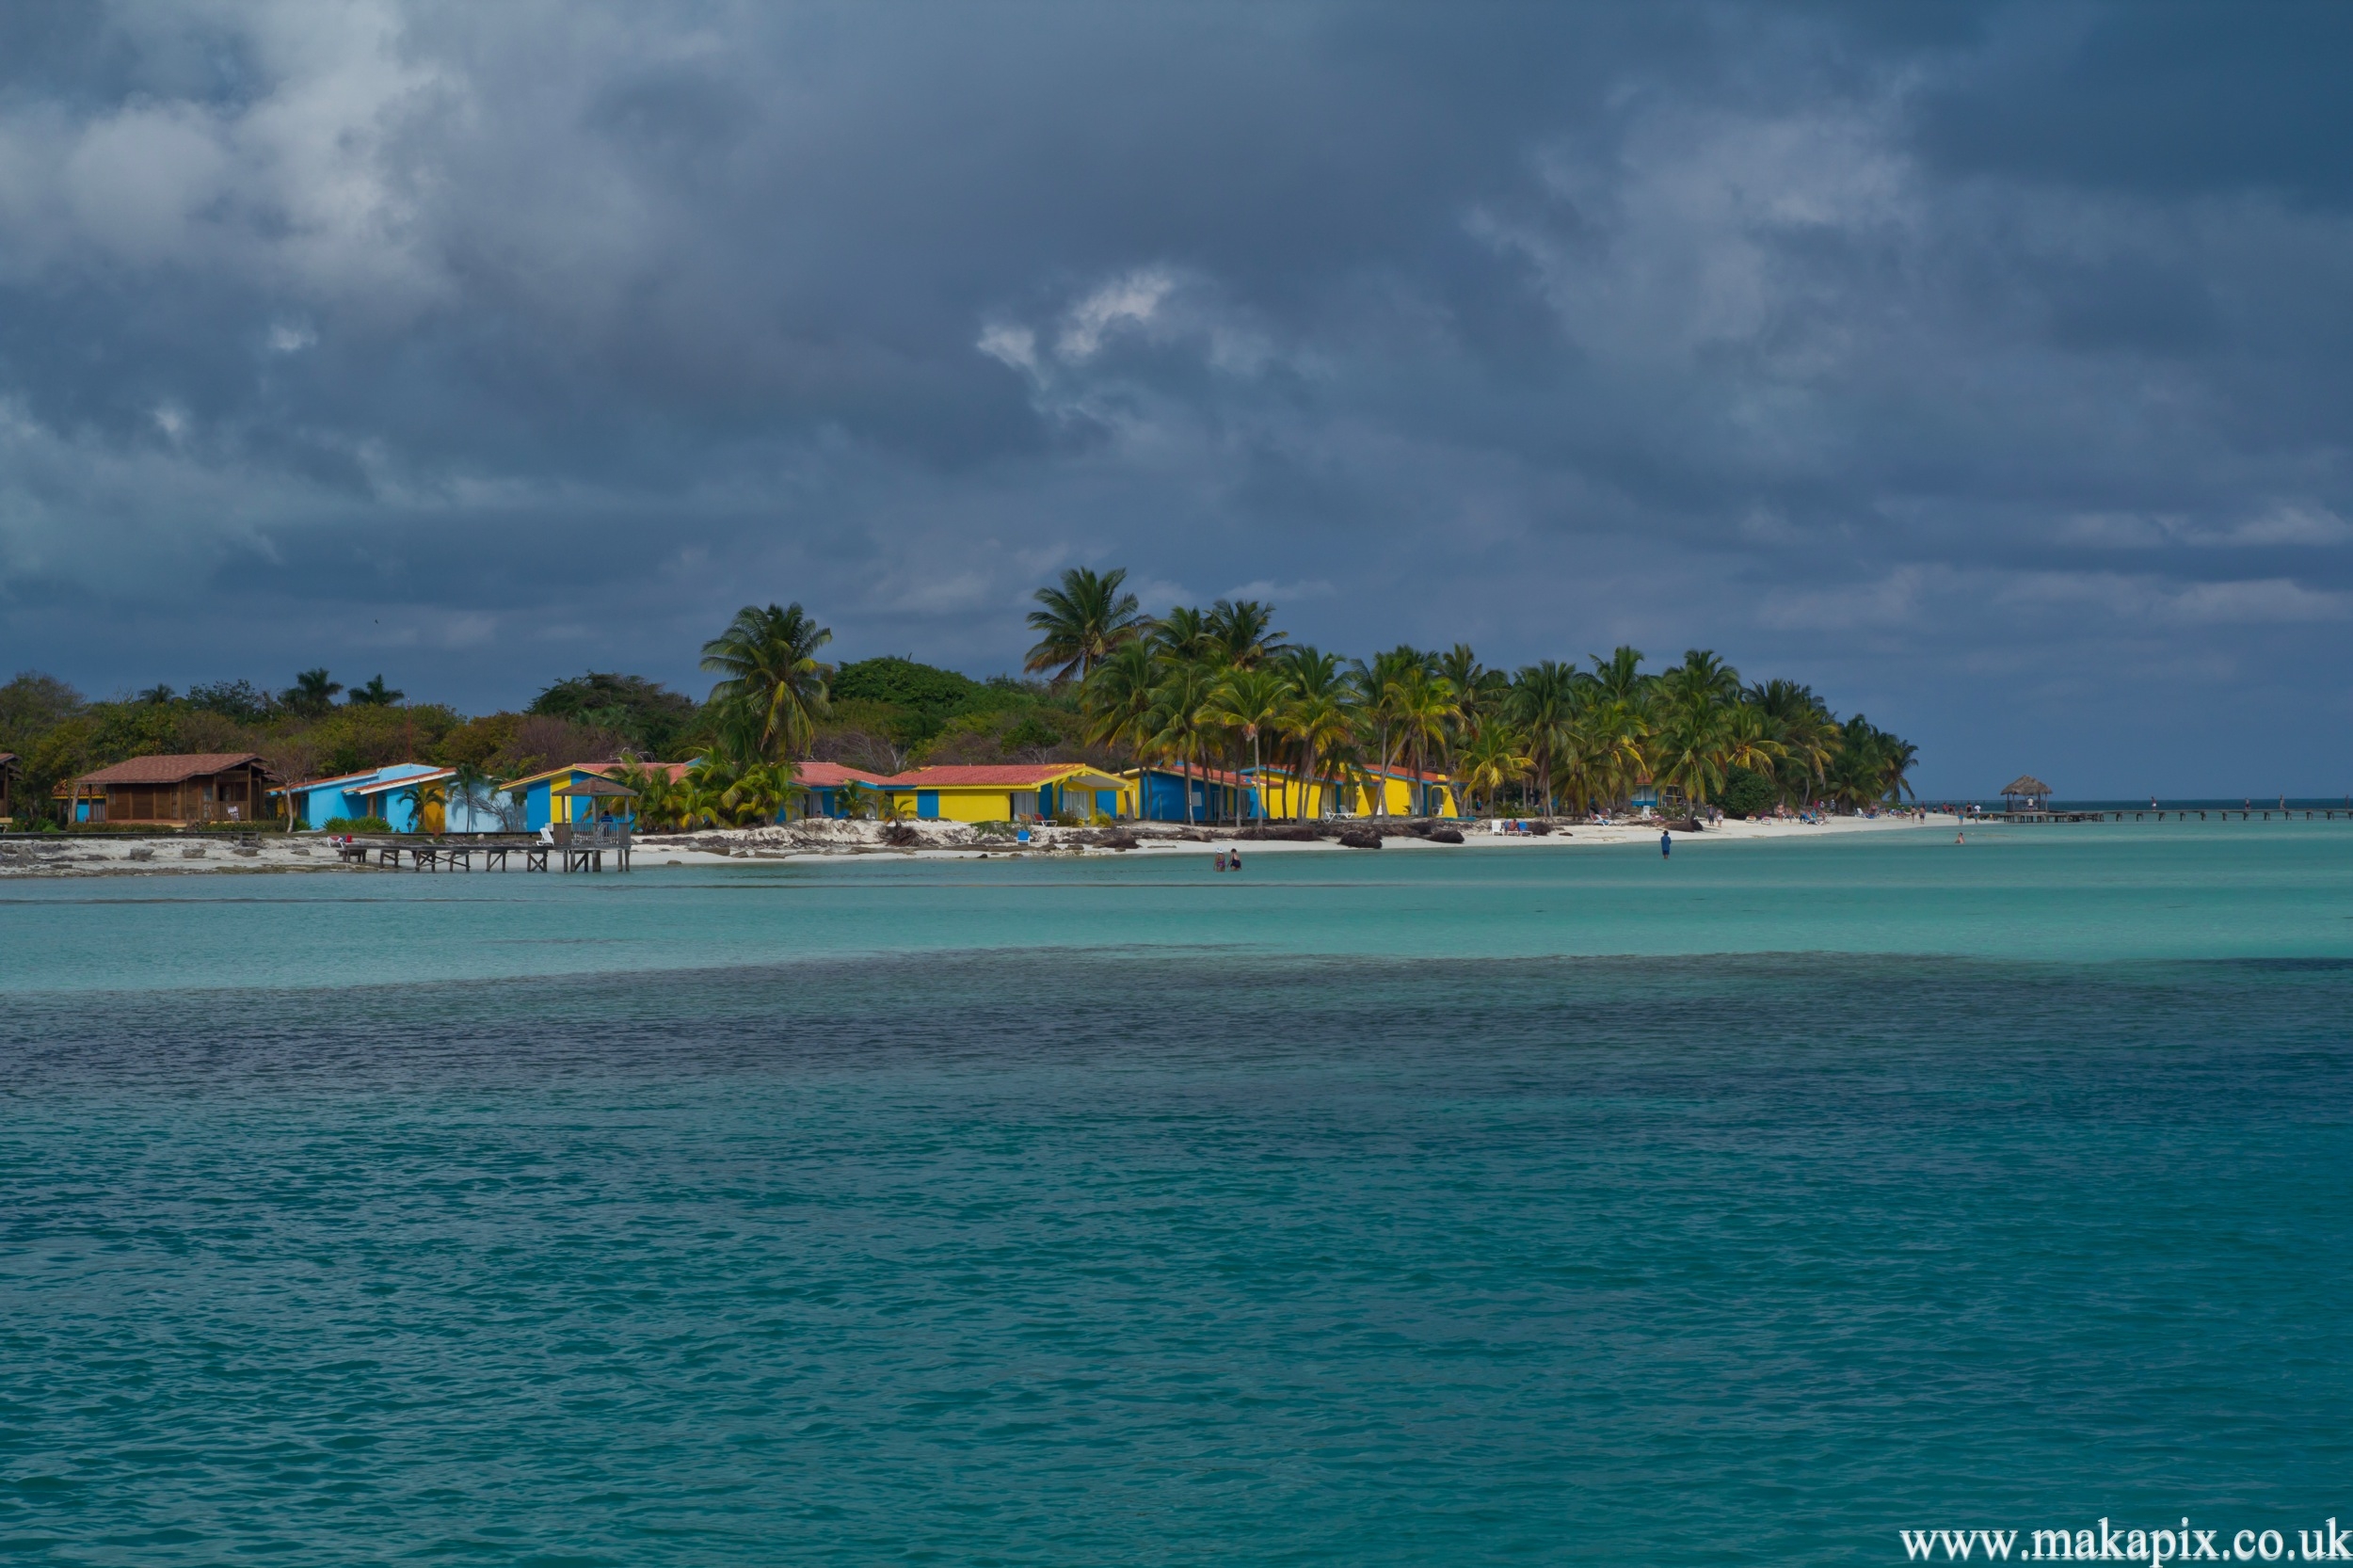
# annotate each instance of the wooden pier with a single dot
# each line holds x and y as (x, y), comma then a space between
(574, 852)
(2249, 813)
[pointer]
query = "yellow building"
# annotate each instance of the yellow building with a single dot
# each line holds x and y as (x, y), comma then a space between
(1009, 792)
(574, 793)
(1159, 793)
(1360, 793)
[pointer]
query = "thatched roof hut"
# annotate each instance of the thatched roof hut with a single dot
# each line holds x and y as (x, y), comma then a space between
(2025, 792)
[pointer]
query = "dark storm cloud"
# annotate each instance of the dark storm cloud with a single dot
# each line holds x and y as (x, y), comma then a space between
(1984, 365)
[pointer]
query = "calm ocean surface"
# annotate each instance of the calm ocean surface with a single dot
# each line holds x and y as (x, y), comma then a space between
(1528, 1205)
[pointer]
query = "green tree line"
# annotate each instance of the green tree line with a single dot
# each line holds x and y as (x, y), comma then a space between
(1194, 688)
(1222, 687)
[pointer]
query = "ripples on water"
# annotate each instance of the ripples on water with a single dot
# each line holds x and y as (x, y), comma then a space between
(1094, 1259)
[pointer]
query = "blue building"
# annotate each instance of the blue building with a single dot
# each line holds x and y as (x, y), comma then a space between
(830, 786)
(318, 800)
(1157, 795)
(397, 800)
(547, 798)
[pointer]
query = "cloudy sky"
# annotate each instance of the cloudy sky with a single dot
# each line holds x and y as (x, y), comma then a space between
(1987, 367)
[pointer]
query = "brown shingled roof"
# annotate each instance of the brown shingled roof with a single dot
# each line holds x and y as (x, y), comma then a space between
(170, 770)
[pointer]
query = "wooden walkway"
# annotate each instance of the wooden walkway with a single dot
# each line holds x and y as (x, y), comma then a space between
(2210, 814)
(498, 855)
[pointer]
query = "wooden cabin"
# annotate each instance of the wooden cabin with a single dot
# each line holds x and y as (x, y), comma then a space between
(195, 787)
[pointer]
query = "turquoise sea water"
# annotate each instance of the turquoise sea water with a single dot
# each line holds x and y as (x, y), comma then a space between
(1529, 1204)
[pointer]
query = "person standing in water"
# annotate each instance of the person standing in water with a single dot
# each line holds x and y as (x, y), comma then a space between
(1666, 845)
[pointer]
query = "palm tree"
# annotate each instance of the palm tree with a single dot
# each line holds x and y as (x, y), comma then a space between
(1900, 757)
(1855, 770)
(1179, 724)
(1606, 751)
(1182, 633)
(1543, 703)
(1871, 765)
(1253, 701)
(1118, 698)
(1695, 702)
(758, 793)
(1807, 733)
(1376, 689)
(421, 798)
(1691, 747)
(1701, 678)
(1425, 705)
(312, 694)
(472, 787)
(1320, 719)
(1081, 622)
(775, 690)
(1493, 755)
(1621, 675)
(656, 801)
(1242, 633)
(1480, 688)
(1750, 742)
(373, 695)
(702, 799)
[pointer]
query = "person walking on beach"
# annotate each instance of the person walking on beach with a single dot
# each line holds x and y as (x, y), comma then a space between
(1666, 845)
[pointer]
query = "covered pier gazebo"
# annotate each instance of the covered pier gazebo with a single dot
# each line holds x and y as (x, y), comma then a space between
(2026, 792)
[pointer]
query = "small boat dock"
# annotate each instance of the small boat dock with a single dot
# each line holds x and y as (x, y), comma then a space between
(570, 851)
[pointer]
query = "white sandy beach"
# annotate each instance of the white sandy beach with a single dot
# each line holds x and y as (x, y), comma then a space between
(164, 854)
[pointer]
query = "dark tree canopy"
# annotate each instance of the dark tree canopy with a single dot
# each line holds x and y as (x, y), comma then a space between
(646, 713)
(904, 684)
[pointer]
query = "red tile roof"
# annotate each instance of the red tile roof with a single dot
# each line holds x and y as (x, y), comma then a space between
(827, 776)
(170, 770)
(1017, 775)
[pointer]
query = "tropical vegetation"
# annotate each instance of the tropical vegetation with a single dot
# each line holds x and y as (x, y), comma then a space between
(1214, 689)
(1225, 688)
